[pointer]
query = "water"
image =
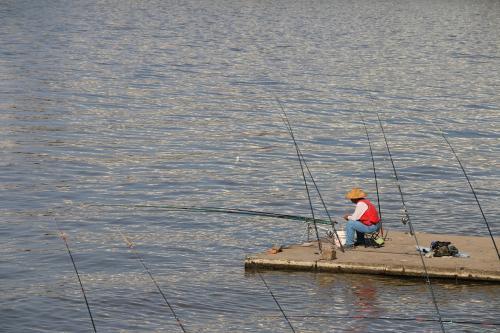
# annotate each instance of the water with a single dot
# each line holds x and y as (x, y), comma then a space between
(170, 102)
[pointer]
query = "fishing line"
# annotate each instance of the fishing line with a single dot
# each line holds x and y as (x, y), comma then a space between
(431, 289)
(131, 246)
(472, 189)
(286, 121)
(276, 301)
(373, 166)
(64, 238)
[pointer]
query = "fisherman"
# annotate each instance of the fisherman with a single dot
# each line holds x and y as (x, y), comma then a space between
(365, 218)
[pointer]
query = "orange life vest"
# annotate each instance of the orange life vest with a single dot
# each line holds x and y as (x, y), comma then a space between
(370, 217)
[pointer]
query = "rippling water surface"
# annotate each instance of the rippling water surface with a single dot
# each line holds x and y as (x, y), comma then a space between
(174, 102)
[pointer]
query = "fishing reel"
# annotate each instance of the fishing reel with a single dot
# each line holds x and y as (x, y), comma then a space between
(406, 217)
(327, 230)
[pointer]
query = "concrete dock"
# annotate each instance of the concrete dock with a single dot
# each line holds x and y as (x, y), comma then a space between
(398, 257)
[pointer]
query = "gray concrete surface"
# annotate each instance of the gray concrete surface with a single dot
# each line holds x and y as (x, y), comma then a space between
(397, 257)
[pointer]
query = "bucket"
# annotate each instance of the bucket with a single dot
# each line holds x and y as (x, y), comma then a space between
(341, 234)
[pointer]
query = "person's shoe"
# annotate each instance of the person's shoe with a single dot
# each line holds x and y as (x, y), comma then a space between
(348, 247)
(358, 243)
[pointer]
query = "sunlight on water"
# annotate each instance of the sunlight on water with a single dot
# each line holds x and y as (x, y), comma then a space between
(164, 102)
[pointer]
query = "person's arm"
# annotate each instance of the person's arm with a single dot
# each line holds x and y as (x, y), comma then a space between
(361, 208)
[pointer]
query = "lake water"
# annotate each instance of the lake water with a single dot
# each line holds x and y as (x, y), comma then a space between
(174, 102)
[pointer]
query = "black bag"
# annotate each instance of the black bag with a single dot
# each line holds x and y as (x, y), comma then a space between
(453, 250)
(443, 249)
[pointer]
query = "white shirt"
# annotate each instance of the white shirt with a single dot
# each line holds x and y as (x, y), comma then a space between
(361, 208)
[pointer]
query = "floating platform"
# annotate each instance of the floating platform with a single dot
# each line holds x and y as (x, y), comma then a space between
(398, 257)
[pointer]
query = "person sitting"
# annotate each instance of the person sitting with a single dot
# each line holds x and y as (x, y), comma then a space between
(365, 218)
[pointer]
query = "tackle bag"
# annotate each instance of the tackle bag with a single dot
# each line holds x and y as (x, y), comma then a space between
(443, 249)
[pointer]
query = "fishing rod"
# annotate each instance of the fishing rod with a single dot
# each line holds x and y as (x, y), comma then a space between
(276, 301)
(373, 166)
(303, 160)
(223, 210)
(407, 216)
(332, 222)
(288, 125)
(472, 189)
(131, 246)
(64, 237)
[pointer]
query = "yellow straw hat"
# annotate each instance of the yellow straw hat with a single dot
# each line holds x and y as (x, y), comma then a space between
(355, 193)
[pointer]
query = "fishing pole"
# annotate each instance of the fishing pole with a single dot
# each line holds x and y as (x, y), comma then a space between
(302, 158)
(64, 237)
(332, 222)
(472, 189)
(373, 166)
(276, 301)
(223, 210)
(407, 216)
(288, 125)
(131, 246)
